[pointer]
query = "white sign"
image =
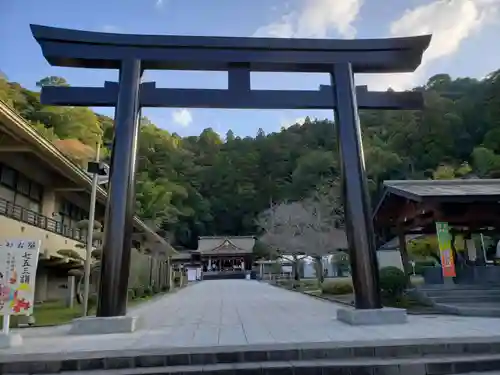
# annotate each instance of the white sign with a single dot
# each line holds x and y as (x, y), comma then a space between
(18, 263)
(286, 269)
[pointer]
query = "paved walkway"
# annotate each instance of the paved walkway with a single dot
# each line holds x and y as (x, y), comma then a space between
(243, 312)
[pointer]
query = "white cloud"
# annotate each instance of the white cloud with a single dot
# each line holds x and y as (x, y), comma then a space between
(182, 117)
(159, 3)
(449, 21)
(316, 19)
(287, 123)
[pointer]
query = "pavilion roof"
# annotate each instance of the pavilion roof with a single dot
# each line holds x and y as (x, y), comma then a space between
(444, 189)
(417, 204)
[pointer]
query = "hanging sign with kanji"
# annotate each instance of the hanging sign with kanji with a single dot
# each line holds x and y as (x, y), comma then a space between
(18, 263)
(444, 241)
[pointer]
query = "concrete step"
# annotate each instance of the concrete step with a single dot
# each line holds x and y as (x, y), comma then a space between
(358, 353)
(446, 292)
(465, 298)
(480, 292)
(483, 309)
(458, 287)
(436, 365)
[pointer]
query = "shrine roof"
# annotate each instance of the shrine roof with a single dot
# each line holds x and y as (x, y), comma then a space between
(226, 245)
(418, 190)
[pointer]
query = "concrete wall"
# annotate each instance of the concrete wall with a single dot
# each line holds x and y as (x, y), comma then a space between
(51, 284)
(140, 265)
(389, 258)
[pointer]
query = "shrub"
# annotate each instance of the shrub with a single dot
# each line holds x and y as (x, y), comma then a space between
(336, 287)
(392, 281)
(164, 288)
(148, 291)
(156, 289)
(139, 291)
(421, 264)
(130, 294)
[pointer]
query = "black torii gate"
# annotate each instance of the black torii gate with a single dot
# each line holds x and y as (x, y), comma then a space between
(132, 54)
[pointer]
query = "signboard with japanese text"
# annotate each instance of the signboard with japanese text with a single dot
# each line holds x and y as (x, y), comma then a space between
(18, 263)
(446, 254)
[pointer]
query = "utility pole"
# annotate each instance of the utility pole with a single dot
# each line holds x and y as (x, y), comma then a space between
(90, 231)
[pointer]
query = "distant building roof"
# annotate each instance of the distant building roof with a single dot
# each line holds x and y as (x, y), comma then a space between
(419, 189)
(226, 245)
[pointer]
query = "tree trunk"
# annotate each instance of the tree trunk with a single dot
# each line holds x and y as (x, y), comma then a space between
(296, 272)
(319, 270)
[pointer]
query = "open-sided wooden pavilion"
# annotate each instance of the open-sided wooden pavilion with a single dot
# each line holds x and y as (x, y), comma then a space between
(469, 206)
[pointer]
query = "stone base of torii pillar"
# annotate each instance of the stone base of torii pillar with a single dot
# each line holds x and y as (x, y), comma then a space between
(95, 325)
(358, 317)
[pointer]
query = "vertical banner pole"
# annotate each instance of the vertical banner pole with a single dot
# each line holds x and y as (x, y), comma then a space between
(6, 324)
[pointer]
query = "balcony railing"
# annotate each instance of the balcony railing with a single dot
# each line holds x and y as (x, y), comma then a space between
(24, 215)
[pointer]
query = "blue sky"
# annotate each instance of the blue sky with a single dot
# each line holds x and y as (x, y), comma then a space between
(464, 43)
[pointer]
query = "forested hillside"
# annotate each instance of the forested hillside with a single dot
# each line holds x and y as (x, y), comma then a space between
(205, 185)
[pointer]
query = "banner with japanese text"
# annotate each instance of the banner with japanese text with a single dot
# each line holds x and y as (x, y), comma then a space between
(446, 254)
(18, 263)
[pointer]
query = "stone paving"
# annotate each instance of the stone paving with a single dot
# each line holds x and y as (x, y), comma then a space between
(246, 312)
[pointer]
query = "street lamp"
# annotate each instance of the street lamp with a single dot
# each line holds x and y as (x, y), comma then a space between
(99, 173)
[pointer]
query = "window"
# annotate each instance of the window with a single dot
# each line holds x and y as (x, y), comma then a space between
(19, 189)
(71, 215)
(23, 185)
(65, 208)
(7, 194)
(36, 192)
(8, 177)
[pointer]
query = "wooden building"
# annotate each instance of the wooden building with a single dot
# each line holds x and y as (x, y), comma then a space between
(469, 207)
(220, 256)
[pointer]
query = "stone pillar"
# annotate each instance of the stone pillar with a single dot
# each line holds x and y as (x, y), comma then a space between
(471, 250)
(161, 275)
(49, 207)
(70, 297)
(49, 203)
(41, 284)
(169, 274)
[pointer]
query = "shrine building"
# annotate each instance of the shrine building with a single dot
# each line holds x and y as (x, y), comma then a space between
(220, 257)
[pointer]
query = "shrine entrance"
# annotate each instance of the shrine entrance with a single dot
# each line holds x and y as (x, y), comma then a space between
(132, 54)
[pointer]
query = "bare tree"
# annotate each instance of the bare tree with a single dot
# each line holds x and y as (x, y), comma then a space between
(306, 228)
(322, 232)
(281, 228)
